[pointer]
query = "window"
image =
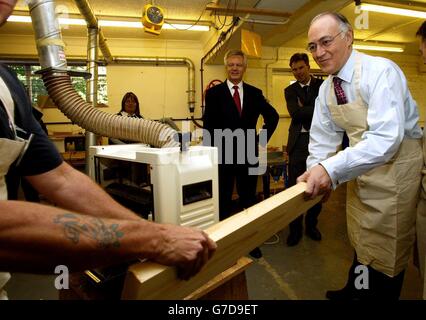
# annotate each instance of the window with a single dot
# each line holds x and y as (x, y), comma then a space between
(35, 87)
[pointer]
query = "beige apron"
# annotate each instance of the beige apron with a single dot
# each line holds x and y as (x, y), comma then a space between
(380, 204)
(421, 222)
(9, 152)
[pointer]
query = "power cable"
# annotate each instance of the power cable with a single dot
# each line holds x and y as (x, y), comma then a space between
(196, 22)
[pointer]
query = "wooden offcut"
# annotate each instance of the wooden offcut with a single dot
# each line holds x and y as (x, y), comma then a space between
(229, 285)
(235, 237)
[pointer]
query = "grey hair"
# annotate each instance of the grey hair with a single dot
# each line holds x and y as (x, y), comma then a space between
(344, 24)
(235, 52)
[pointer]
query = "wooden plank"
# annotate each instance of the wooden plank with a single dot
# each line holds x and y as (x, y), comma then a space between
(235, 237)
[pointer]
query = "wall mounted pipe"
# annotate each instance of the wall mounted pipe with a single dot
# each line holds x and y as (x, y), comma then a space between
(104, 47)
(166, 61)
(58, 84)
(91, 84)
(87, 12)
(222, 39)
(92, 23)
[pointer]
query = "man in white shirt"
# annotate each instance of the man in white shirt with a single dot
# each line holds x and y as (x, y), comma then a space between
(421, 208)
(367, 97)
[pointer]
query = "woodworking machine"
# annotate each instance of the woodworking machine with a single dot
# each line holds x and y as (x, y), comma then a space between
(165, 184)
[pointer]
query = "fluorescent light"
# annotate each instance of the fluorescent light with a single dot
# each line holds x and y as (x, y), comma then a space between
(114, 23)
(392, 10)
(25, 19)
(120, 24)
(378, 48)
(72, 21)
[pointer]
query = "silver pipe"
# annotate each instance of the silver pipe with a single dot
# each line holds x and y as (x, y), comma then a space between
(87, 12)
(104, 47)
(92, 67)
(29, 81)
(92, 22)
(91, 85)
(58, 84)
(50, 46)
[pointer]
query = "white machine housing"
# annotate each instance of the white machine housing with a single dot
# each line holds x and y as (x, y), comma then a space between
(184, 184)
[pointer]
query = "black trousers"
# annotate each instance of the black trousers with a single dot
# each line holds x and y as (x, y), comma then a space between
(296, 167)
(246, 189)
(380, 286)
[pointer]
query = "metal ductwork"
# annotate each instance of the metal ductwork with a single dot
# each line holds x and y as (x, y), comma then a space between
(53, 62)
(166, 61)
(92, 22)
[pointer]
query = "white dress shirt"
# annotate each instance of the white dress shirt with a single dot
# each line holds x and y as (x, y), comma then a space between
(240, 90)
(392, 115)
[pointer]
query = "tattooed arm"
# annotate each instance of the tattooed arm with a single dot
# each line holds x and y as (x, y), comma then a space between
(72, 190)
(37, 238)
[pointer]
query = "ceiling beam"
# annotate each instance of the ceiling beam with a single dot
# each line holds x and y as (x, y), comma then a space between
(299, 21)
(231, 11)
(391, 28)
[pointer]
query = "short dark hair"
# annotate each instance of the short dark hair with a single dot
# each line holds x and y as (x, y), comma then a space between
(299, 57)
(422, 31)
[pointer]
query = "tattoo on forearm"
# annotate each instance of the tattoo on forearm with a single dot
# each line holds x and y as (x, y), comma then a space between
(94, 228)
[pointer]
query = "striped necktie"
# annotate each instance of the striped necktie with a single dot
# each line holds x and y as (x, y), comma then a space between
(338, 90)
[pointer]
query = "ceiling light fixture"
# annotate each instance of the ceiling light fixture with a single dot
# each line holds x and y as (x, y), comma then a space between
(114, 23)
(378, 48)
(393, 10)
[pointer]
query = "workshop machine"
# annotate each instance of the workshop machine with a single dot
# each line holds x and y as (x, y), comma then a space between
(166, 185)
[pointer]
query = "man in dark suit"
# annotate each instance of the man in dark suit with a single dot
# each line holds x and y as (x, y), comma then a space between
(232, 109)
(300, 97)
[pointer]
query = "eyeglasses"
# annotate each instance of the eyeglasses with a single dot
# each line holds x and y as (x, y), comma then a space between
(324, 42)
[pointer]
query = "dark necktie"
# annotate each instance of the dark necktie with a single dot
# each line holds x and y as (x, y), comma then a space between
(237, 99)
(338, 90)
(306, 92)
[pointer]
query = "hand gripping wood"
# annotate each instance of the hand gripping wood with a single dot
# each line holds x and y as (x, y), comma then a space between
(235, 237)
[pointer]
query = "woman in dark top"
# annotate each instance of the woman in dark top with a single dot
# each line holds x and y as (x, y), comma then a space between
(130, 106)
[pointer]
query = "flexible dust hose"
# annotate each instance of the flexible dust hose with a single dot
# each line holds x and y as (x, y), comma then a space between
(60, 89)
(52, 59)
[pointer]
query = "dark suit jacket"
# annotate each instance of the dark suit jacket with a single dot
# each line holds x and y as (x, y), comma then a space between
(221, 112)
(300, 116)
